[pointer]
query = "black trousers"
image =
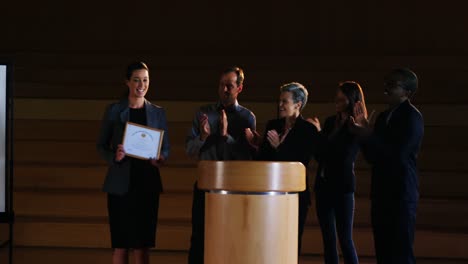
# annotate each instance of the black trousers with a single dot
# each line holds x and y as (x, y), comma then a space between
(197, 241)
(304, 204)
(336, 214)
(393, 225)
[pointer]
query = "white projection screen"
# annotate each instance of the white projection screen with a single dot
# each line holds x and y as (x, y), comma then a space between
(5, 143)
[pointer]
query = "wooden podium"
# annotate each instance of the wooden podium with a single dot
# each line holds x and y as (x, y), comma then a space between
(251, 211)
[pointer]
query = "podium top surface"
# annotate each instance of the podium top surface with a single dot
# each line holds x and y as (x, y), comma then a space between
(251, 176)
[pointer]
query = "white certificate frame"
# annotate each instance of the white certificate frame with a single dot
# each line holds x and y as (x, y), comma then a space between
(142, 142)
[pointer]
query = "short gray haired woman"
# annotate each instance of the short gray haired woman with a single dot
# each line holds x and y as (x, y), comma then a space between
(298, 91)
(290, 138)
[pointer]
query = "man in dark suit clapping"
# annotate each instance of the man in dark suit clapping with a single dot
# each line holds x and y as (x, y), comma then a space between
(392, 148)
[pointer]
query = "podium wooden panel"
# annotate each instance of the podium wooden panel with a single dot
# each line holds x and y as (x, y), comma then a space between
(251, 211)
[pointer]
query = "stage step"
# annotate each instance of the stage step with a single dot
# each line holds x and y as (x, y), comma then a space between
(441, 215)
(54, 232)
(65, 130)
(321, 74)
(85, 154)
(58, 255)
(433, 184)
(184, 111)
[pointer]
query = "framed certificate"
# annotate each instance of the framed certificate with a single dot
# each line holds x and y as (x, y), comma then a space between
(142, 142)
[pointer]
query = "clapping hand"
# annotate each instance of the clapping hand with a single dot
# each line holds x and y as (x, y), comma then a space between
(205, 129)
(253, 138)
(274, 138)
(315, 121)
(223, 123)
(359, 123)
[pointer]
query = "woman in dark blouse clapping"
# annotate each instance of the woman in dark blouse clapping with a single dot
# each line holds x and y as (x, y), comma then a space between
(335, 181)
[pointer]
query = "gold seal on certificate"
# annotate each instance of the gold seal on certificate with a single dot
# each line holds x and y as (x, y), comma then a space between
(142, 142)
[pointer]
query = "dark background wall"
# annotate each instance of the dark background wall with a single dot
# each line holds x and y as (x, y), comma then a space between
(70, 60)
(86, 45)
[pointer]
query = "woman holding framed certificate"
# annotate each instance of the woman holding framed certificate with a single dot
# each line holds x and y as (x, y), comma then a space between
(133, 141)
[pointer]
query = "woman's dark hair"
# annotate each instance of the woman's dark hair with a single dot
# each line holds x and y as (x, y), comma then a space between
(134, 67)
(352, 91)
(130, 69)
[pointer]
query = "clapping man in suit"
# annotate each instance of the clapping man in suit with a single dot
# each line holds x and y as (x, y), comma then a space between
(391, 148)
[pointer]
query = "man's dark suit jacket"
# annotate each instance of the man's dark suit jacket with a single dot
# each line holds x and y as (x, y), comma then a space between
(111, 135)
(392, 151)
